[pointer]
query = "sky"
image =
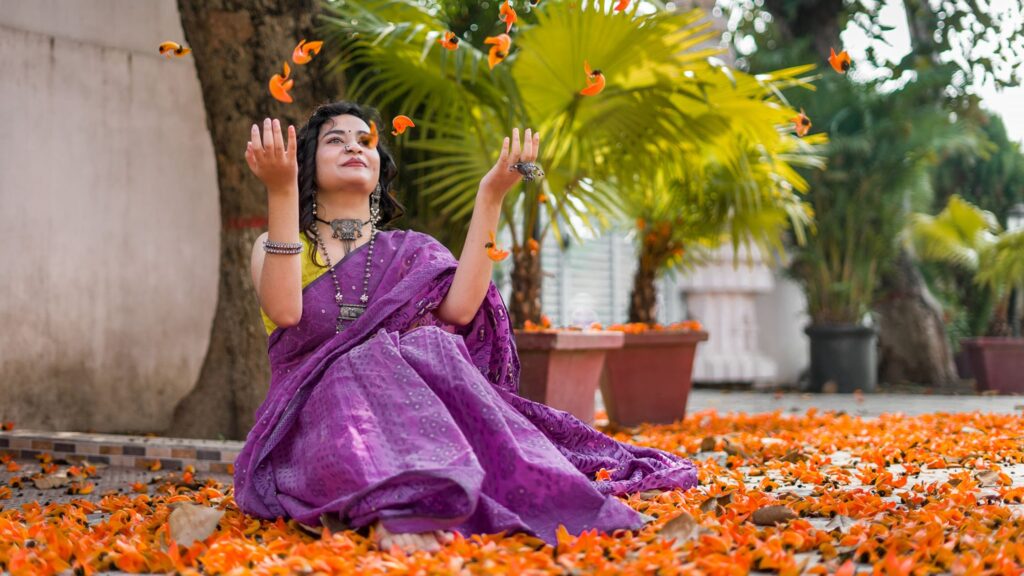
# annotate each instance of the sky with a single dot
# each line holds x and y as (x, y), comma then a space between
(1007, 102)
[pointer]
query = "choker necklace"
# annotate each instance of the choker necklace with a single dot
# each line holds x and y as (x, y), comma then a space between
(346, 229)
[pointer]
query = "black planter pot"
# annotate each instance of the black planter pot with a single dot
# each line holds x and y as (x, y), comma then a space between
(844, 354)
(963, 364)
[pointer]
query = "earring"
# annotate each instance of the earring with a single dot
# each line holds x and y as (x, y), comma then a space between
(375, 204)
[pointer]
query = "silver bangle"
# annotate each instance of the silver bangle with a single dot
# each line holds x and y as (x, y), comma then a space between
(282, 247)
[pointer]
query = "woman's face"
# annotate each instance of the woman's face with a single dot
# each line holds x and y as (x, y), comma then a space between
(344, 161)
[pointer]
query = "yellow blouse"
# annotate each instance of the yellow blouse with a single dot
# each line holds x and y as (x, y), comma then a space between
(310, 272)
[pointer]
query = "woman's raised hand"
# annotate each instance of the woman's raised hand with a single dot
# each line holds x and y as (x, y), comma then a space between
(269, 159)
(500, 179)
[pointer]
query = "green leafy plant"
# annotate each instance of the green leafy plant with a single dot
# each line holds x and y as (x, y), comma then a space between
(881, 150)
(666, 104)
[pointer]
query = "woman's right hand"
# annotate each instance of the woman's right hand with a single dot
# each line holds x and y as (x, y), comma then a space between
(269, 159)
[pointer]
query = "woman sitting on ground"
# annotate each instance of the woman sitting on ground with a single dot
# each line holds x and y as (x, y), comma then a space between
(393, 396)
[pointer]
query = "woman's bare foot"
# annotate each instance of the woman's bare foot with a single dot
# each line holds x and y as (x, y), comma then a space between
(408, 542)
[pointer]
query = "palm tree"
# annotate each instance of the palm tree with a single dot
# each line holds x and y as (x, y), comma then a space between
(960, 237)
(737, 186)
(663, 101)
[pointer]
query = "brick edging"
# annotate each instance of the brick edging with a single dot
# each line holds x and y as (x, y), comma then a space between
(123, 450)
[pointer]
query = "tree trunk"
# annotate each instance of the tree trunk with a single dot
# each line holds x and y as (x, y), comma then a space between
(644, 298)
(526, 286)
(913, 340)
(819, 21)
(237, 46)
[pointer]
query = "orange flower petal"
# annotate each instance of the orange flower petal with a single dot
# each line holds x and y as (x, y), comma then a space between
(595, 81)
(840, 62)
(280, 85)
(303, 53)
(801, 124)
(400, 123)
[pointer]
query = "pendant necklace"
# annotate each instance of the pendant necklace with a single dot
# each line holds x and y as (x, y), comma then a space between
(347, 312)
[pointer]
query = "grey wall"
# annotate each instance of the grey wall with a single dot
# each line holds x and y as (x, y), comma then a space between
(109, 221)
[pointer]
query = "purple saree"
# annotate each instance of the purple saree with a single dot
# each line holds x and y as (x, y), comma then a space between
(418, 423)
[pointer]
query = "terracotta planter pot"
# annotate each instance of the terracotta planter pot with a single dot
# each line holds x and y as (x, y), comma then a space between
(997, 363)
(649, 378)
(562, 369)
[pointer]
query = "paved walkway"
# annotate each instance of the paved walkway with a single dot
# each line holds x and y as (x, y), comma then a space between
(118, 477)
(868, 405)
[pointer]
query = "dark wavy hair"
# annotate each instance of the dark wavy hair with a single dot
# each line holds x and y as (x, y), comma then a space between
(390, 208)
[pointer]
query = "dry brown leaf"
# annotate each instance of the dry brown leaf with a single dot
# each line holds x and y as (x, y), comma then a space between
(681, 529)
(988, 478)
(709, 505)
(189, 522)
(716, 504)
(52, 481)
(772, 515)
(708, 444)
(733, 449)
(794, 456)
(841, 523)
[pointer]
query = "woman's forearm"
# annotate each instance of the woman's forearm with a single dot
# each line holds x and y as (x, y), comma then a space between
(473, 274)
(281, 278)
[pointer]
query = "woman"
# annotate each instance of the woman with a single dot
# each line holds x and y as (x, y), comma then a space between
(392, 401)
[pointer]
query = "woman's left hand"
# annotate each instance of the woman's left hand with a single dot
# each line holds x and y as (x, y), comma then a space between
(500, 179)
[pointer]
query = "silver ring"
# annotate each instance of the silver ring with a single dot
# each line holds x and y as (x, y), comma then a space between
(529, 170)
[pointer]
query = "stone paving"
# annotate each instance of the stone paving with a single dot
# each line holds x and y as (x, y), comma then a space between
(867, 405)
(107, 479)
(114, 477)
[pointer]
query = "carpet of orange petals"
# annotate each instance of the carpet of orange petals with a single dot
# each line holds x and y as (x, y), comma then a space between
(814, 493)
(628, 328)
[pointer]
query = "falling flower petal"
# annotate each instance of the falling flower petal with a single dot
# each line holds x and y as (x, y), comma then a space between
(595, 81)
(802, 124)
(450, 41)
(500, 46)
(493, 251)
(281, 84)
(170, 49)
(400, 123)
(507, 14)
(303, 53)
(840, 62)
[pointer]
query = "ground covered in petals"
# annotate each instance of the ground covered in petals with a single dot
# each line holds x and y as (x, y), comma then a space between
(815, 493)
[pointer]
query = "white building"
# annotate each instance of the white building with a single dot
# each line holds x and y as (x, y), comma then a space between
(754, 315)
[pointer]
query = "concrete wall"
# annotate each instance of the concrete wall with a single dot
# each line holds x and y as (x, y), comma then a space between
(109, 220)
